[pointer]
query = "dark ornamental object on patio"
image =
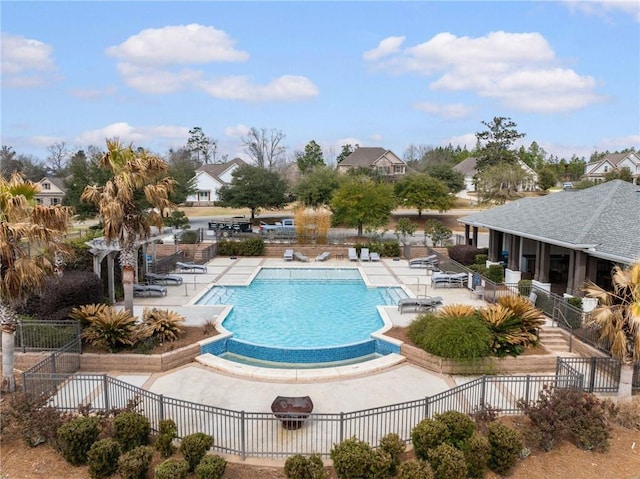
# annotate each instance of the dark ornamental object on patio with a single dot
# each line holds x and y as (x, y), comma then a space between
(292, 411)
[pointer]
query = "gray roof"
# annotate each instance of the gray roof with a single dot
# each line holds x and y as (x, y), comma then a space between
(603, 220)
(363, 156)
(467, 166)
(217, 169)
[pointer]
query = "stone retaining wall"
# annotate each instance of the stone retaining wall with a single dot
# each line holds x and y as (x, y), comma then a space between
(140, 363)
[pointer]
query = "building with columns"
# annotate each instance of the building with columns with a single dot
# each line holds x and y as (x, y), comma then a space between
(561, 240)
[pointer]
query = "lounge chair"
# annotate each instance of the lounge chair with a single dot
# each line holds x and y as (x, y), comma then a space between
(191, 267)
(374, 256)
(353, 255)
(288, 255)
(419, 304)
(448, 279)
(429, 262)
(142, 289)
(163, 278)
(300, 257)
(323, 256)
(364, 254)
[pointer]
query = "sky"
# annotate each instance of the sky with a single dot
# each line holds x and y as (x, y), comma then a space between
(368, 73)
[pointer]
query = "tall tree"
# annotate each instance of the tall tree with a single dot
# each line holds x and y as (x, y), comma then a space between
(361, 202)
(346, 151)
(203, 148)
(254, 187)
(183, 170)
(546, 178)
(57, 158)
(264, 147)
(498, 142)
(30, 235)
(423, 192)
(79, 176)
(311, 158)
(499, 183)
(316, 188)
(130, 203)
(445, 173)
(9, 163)
(617, 319)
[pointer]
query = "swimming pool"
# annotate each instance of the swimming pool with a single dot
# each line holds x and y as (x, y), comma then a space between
(303, 316)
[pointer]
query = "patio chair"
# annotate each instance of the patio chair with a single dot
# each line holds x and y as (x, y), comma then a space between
(323, 256)
(364, 254)
(300, 257)
(288, 255)
(374, 256)
(353, 255)
(429, 262)
(448, 279)
(478, 292)
(191, 267)
(163, 278)
(419, 304)
(143, 289)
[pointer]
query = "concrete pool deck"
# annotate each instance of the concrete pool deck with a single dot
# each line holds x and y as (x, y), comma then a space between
(347, 388)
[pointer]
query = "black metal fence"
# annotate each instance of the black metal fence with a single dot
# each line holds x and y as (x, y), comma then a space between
(35, 335)
(260, 434)
(44, 377)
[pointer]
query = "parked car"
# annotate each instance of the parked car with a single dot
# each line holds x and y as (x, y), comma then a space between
(286, 225)
(567, 185)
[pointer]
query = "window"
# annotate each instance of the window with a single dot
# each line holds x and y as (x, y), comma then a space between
(55, 201)
(606, 168)
(203, 196)
(38, 201)
(46, 186)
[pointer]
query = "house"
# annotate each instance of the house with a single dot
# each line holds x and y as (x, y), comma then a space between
(52, 191)
(209, 178)
(468, 167)
(563, 239)
(595, 171)
(384, 161)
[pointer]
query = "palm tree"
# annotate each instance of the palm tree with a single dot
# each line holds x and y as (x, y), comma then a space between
(30, 235)
(130, 203)
(617, 318)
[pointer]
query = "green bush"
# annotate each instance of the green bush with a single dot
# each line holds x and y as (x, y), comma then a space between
(476, 452)
(171, 469)
(495, 273)
(135, 463)
(589, 427)
(189, 237)
(426, 435)
(352, 459)
(481, 259)
(76, 437)
(506, 445)
(247, 247)
(103, 458)
(131, 430)
(381, 465)
(447, 462)
(395, 446)
(390, 249)
(415, 470)
(194, 446)
(301, 467)
(464, 254)
(524, 287)
(211, 467)
(167, 432)
(460, 426)
(461, 338)
(37, 423)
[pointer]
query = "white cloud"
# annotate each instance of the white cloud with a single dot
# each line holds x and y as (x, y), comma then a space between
(453, 111)
(25, 62)
(519, 69)
(602, 8)
(93, 94)
(284, 88)
(377, 138)
(385, 48)
(236, 131)
(157, 81)
(469, 140)
(139, 136)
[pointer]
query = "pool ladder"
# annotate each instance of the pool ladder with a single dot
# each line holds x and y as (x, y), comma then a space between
(220, 294)
(391, 296)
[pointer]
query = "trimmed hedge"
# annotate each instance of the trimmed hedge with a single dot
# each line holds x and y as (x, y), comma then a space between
(247, 247)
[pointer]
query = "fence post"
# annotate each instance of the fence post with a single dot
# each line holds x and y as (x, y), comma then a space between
(105, 388)
(527, 389)
(592, 374)
(427, 405)
(341, 427)
(21, 336)
(161, 408)
(243, 438)
(483, 390)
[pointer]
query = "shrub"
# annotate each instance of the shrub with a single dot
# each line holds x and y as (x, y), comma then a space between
(352, 459)
(575, 301)
(247, 247)
(481, 269)
(87, 312)
(463, 254)
(61, 294)
(481, 259)
(381, 465)
(167, 432)
(111, 330)
(194, 446)
(524, 287)
(495, 273)
(415, 470)
(103, 458)
(135, 463)
(301, 467)
(588, 425)
(462, 338)
(455, 311)
(506, 445)
(189, 237)
(460, 426)
(76, 438)
(211, 467)
(171, 469)
(395, 446)
(509, 337)
(390, 249)
(476, 451)
(426, 435)
(162, 324)
(36, 422)
(131, 430)
(447, 462)
(627, 413)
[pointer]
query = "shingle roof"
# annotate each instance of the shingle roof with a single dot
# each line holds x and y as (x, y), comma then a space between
(364, 156)
(216, 169)
(605, 219)
(467, 166)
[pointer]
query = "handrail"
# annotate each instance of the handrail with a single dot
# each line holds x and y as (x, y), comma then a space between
(556, 309)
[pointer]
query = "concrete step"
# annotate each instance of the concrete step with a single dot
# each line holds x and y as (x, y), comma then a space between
(554, 340)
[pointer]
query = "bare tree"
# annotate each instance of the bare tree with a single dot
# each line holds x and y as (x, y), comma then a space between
(58, 157)
(204, 147)
(264, 147)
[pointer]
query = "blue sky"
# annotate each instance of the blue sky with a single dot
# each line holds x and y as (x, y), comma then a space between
(389, 74)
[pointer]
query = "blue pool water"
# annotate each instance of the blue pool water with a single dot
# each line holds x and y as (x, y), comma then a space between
(293, 308)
